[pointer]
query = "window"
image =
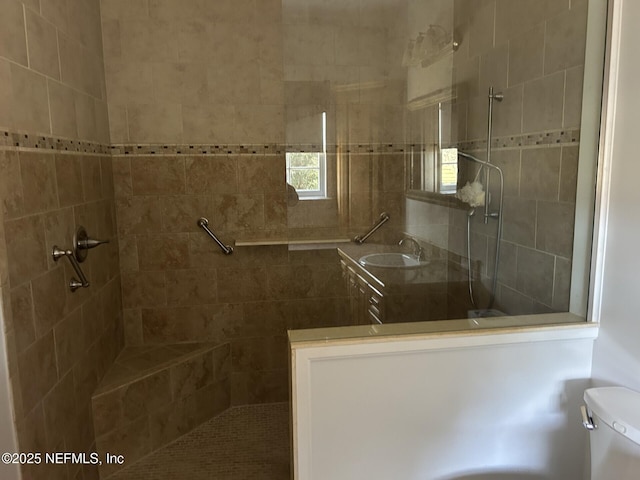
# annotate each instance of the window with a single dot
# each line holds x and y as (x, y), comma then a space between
(448, 165)
(448, 170)
(434, 168)
(307, 171)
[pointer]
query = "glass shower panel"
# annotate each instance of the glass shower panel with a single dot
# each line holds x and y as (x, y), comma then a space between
(343, 61)
(534, 54)
(388, 92)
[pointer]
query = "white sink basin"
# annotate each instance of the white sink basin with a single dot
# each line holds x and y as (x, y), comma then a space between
(391, 260)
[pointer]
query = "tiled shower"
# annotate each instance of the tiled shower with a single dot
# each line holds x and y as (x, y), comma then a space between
(135, 118)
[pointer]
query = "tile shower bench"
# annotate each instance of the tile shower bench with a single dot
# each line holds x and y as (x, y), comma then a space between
(154, 394)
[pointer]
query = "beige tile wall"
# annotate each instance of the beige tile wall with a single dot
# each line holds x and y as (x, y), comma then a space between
(59, 343)
(251, 72)
(343, 58)
(178, 286)
(202, 72)
(52, 69)
(534, 55)
(536, 59)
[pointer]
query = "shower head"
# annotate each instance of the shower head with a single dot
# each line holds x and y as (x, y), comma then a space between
(428, 47)
(438, 36)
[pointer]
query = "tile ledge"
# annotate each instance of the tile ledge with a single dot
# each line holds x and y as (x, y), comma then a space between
(283, 241)
(462, 332)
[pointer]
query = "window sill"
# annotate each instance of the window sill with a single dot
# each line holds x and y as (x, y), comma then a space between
(315, 198)
(445, 199)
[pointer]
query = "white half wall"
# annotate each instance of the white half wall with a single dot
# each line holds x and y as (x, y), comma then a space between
(443, 408)
(617, 350)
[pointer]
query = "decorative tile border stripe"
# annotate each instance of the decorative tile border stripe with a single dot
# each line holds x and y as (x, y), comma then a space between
(42, 142)
(271, 149)
(556, 137)
(559, 137)
(22, 140)
(197, 149)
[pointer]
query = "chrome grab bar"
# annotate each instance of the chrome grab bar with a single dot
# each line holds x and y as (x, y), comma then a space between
(384, 217)
(74, 284)
(204, 224)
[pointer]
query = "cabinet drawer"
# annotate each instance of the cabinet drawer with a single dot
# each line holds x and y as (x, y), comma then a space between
(374, 316)
(375, 305)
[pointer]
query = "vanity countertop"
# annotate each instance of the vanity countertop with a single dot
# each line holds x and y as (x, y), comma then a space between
(436, 273)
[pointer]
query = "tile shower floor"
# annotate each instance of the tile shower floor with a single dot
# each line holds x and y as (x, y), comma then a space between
(243, 443)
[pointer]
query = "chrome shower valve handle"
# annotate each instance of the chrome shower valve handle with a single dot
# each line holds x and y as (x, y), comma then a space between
(82, 243)
(57, 253)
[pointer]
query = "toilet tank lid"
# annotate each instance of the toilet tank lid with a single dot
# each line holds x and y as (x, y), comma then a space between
(618, 407)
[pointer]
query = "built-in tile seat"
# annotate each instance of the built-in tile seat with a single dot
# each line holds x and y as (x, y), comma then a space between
(154, 394)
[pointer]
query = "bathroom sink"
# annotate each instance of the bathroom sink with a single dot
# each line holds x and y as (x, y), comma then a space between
(391, 260)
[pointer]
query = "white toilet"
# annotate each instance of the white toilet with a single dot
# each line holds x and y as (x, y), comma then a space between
(613, 417)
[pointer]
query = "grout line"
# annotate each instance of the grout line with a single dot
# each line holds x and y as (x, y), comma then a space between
(26, 35)
(544, 48)
(519, 171)
(55, 180)
(49, 106)
(564, 96)
(126, 123)
(508, 85)
(524, 84)
(495, 23)
(553, 279)
(535, 226)
(59, 56)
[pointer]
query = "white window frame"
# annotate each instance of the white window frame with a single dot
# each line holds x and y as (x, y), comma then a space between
(321, 192)
(442, 187)
(447, 188)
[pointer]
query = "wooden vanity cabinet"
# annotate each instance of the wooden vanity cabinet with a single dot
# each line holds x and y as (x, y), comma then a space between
(366, 303)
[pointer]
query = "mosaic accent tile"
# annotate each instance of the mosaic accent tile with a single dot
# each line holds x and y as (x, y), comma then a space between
(186, 149)
(5, 139)
(21, 140)
(559, 137)
(40, 142)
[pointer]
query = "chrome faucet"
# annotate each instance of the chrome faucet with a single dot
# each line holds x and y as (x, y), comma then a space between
(418, 251)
